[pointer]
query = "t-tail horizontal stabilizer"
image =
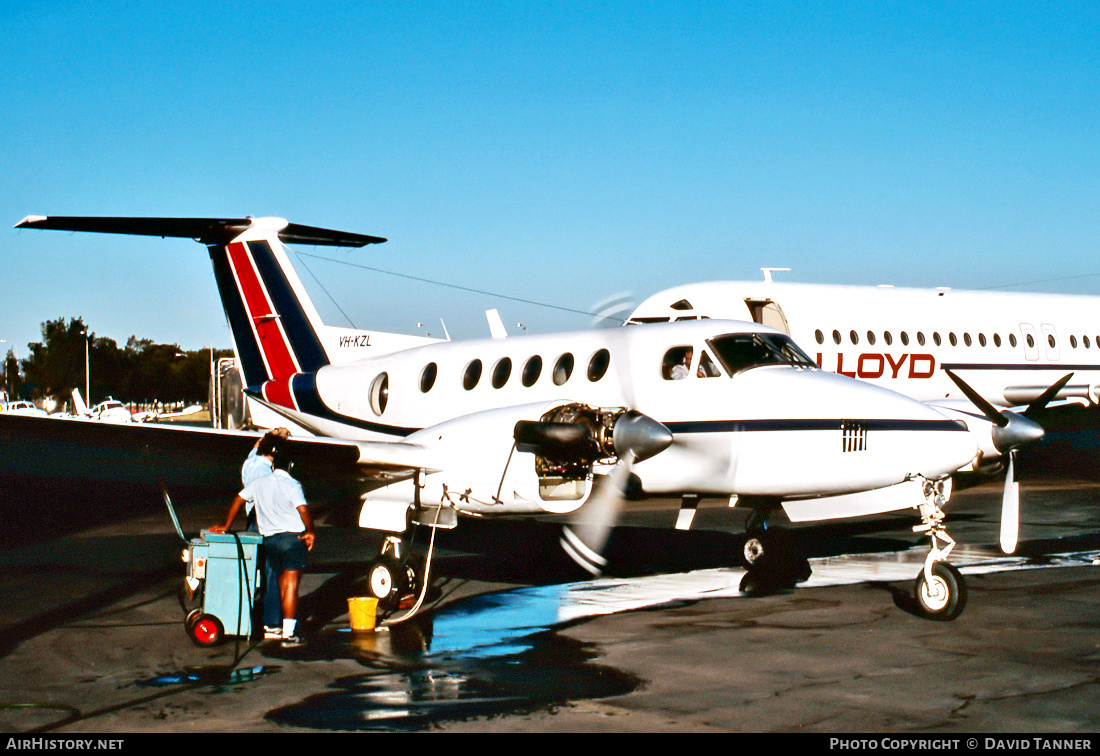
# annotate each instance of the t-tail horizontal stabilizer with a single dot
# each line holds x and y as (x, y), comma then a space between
(204, 230)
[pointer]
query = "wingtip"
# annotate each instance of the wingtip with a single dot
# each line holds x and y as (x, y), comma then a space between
(30, 220)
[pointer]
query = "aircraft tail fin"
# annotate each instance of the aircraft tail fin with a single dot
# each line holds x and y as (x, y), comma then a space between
(79, 407)
(277, 332)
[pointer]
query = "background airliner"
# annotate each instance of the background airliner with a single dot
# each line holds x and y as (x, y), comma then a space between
(1010, 347)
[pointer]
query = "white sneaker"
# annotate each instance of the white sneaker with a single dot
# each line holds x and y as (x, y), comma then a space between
(292, 641)
(272, 633)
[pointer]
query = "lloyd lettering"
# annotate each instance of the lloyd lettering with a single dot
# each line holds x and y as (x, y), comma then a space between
(871, 365)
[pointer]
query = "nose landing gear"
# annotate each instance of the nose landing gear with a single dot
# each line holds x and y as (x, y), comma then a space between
(939, 589)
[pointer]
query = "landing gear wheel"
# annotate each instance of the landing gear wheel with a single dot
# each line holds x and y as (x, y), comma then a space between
(771, 560)
(943, 598)
(205, 630)
(387, 579)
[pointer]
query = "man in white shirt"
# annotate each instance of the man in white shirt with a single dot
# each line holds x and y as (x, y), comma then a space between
(260, 462)
(284, 520)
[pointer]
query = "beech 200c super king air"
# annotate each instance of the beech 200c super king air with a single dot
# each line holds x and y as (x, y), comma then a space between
(573, 423)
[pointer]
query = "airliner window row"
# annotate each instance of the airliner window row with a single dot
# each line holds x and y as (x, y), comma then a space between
(903, 337)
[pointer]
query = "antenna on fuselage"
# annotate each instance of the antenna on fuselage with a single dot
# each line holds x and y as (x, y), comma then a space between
(768, 273)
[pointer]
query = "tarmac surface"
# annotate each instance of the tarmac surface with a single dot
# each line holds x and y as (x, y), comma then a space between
(515, 639)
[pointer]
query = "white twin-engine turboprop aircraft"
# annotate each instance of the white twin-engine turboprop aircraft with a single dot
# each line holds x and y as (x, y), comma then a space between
(576, 423)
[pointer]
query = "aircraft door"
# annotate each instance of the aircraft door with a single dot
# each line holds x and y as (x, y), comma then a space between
(1031, 347)
(1050, 337)
(766, 312)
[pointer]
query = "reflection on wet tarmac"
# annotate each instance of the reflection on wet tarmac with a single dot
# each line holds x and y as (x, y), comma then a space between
(498, 653)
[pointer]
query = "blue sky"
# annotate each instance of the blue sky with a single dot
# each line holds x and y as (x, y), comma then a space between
(555, 152)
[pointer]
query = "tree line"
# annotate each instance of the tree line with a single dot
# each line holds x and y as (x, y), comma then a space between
(140, 372)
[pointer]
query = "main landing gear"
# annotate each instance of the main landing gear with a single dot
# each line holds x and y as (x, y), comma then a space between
(939, 589)
(390, 577)
(770, 557)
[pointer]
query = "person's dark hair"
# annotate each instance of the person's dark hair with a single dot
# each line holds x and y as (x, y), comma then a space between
(267, 445)
(281, 455)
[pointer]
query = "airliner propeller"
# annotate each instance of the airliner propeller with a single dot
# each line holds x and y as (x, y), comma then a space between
(1011, 430)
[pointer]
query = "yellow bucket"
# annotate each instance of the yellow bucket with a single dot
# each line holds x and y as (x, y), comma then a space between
(362, 611)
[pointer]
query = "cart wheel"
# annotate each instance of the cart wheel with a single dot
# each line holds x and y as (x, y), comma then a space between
(206, 630)
(191, 618)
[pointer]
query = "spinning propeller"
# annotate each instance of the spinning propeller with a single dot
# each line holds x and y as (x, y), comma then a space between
(629, 436)
(1011, 430)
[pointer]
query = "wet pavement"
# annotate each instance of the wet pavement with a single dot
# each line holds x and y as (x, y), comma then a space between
(515, 640)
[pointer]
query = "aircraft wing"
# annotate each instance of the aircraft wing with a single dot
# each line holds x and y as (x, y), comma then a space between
(74, 452)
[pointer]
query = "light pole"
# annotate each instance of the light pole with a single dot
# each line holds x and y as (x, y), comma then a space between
(87, 370)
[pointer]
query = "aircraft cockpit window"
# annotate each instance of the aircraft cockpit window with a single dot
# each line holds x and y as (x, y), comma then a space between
(598, 365)
(563, 368)
(472, 375)
(676, 364)
(501, 372)
(742, 351)
(531, 371)
(707, 368)
(683, 304)
(427, 377)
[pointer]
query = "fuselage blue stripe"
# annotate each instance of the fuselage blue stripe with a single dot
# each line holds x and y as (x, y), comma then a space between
(303, 339)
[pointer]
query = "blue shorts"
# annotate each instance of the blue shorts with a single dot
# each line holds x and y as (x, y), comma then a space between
(285, 551)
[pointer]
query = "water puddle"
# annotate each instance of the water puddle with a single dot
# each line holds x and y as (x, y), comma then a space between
(218, 676)
(499, 653)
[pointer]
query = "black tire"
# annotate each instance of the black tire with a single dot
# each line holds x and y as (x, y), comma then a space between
(945, 599)
(387, 579)
(205, 630)
(771, 549)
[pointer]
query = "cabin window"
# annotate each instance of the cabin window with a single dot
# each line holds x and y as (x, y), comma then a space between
(502, 372)
(531, 371)
(676, 364)
(920, 338)
(1073, 341)
(472, 375)
(967, 340)
(871, 338)
(996, 339)
(981, 339)
(819, 336)
(427, 377)
(380, 393)
(853, 336)
(951, 337)
(1030, 341)
(598, 365)
(887, 338)
(1085, 339)
(936, 338)
(563, 368)
(1012, 340)
(1050, 340)
(904, 339)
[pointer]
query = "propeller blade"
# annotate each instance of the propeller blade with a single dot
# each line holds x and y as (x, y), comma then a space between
(999, 419)
(1010, 509)
(584, 539)
(1045, 398)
